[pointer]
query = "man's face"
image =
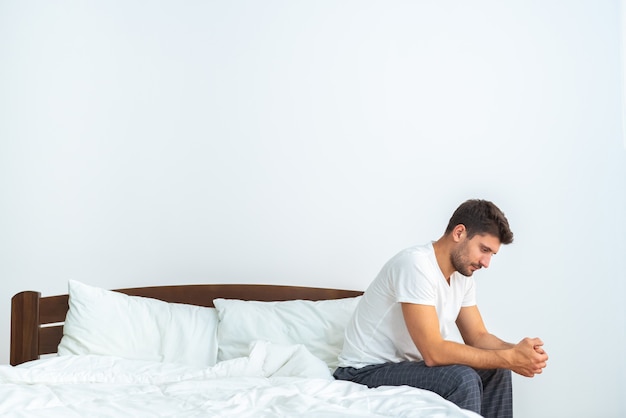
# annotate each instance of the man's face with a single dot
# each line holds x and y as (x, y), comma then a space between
(473, 254)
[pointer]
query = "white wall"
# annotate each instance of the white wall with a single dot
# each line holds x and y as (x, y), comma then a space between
(306, 142)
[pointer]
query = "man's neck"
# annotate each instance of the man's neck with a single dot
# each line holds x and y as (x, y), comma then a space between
(442, 254)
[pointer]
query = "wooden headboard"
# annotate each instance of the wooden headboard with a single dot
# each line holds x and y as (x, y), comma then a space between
(37, 322)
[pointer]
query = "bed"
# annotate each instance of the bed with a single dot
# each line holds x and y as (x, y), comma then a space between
(214, 350)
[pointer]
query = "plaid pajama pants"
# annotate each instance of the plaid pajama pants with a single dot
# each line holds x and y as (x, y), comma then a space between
(487, 392)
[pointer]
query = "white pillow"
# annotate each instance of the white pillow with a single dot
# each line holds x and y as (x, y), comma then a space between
(319, 325)
(104, 322)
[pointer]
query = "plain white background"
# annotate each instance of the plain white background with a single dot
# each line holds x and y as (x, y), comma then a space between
(306, 142)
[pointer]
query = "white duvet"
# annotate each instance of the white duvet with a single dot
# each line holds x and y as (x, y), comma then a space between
(273, 381)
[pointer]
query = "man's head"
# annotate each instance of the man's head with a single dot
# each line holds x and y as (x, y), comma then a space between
(478, 228)
(481, 217)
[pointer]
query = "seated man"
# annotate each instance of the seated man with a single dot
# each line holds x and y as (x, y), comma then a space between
(397, 335)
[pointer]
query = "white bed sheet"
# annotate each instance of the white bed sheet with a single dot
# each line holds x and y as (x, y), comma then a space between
(273, 381)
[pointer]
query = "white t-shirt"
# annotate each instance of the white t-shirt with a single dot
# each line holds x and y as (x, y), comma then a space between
(377, 332)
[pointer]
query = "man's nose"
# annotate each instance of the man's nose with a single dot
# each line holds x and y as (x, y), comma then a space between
(484, 262)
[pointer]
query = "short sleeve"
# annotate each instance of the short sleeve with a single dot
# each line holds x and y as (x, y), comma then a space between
(412, 281)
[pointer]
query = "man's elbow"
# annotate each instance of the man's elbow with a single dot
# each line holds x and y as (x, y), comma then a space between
(436, 353)
(432, 360)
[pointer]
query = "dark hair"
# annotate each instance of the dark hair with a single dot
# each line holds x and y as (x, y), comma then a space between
(481, 217)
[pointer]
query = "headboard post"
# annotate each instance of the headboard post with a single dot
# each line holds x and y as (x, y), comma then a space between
(24, 327)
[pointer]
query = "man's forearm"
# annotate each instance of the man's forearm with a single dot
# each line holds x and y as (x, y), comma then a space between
(449, 352)
(491, 342)
(526, 358)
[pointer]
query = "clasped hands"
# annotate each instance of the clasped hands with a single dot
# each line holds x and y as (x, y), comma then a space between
(530, 358)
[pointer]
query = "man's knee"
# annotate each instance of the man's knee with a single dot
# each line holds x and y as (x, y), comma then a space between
(464, 387)
(497, 377)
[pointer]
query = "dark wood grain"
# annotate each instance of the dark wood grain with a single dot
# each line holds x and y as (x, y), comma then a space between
(24, 327)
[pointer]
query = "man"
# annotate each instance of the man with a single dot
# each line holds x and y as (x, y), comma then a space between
(397, 335)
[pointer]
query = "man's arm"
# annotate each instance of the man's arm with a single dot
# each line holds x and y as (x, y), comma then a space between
(423, 326)
(474, 332)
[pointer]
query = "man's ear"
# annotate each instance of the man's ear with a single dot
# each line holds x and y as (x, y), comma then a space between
(459, 232)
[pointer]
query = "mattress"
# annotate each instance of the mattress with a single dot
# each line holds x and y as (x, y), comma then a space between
(271, 381)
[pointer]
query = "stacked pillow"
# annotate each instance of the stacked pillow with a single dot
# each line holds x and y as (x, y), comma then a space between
(105, 322)
(318, 325)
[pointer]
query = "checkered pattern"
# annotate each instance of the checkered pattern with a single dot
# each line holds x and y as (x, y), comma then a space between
(487, 392)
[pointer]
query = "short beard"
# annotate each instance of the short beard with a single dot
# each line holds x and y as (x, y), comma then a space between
(460, 262)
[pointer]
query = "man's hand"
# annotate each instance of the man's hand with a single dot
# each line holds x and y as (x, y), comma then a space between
(528, 357)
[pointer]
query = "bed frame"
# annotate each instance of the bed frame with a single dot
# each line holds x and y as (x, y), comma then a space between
(37, 322)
